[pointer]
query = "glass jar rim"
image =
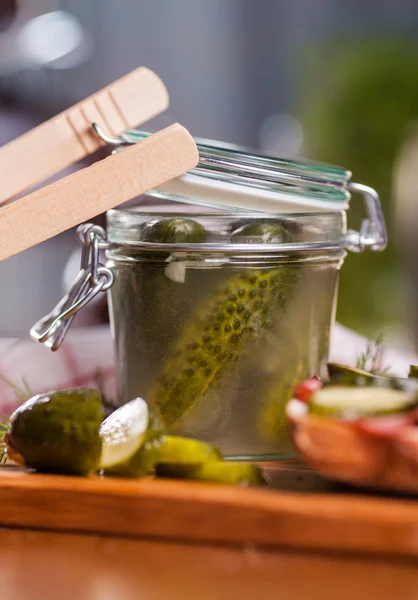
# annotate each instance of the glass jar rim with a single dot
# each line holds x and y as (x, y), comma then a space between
(126, 228)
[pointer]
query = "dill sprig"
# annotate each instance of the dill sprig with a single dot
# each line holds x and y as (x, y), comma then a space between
(22, 394)
(4, 428)
(371, 360)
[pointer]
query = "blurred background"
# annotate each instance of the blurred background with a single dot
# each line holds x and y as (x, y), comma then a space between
(333, 81)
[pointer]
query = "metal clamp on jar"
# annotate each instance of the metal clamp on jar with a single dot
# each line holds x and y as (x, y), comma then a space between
(218, 314)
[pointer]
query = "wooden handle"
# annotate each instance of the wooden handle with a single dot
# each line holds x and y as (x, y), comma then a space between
(68, 137)
(94, 190)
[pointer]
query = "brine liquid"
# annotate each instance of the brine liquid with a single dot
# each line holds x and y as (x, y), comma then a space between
(154, 301)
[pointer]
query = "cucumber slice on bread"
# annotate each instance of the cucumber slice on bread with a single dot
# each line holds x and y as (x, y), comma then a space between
(352, 403)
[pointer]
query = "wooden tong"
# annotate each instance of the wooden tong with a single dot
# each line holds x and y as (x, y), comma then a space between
(69, 137)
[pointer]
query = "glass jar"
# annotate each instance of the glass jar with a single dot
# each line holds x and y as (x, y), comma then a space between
(216, 315)
(219, 338)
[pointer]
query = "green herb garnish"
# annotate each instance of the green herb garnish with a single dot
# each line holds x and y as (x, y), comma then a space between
(372, 359)
(22, 394)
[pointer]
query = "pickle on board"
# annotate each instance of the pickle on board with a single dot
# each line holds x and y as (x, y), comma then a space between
(218, 334)
(213, 471)
(352, 403)
(181, 450)
(58, 432)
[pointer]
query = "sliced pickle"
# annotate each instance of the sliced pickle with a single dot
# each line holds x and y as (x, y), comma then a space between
(185, 451)
(213, 471)
(352, 403)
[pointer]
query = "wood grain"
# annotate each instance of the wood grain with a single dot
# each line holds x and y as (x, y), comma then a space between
(45, 566)
(94, 190)
(210, 513)
(68, 137)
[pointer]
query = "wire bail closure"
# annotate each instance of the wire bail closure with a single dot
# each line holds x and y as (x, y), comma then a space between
(93, 278)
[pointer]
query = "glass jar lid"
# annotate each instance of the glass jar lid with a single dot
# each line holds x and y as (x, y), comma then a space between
(230, 177)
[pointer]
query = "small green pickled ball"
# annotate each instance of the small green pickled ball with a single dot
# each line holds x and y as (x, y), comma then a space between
(58, 432)
(261, 233)
(175, 230)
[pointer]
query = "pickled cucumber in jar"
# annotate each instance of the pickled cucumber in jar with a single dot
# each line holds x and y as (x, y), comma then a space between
(218, 334)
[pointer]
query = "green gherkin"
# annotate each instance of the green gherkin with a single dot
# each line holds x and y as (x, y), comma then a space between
(174, 230)
(214, 341)
(220, 331)
(58, 432)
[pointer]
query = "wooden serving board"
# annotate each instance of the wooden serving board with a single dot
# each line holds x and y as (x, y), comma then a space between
(301, 511)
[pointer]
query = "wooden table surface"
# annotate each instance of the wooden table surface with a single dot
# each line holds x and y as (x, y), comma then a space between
(39, 565)
(329, 545)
